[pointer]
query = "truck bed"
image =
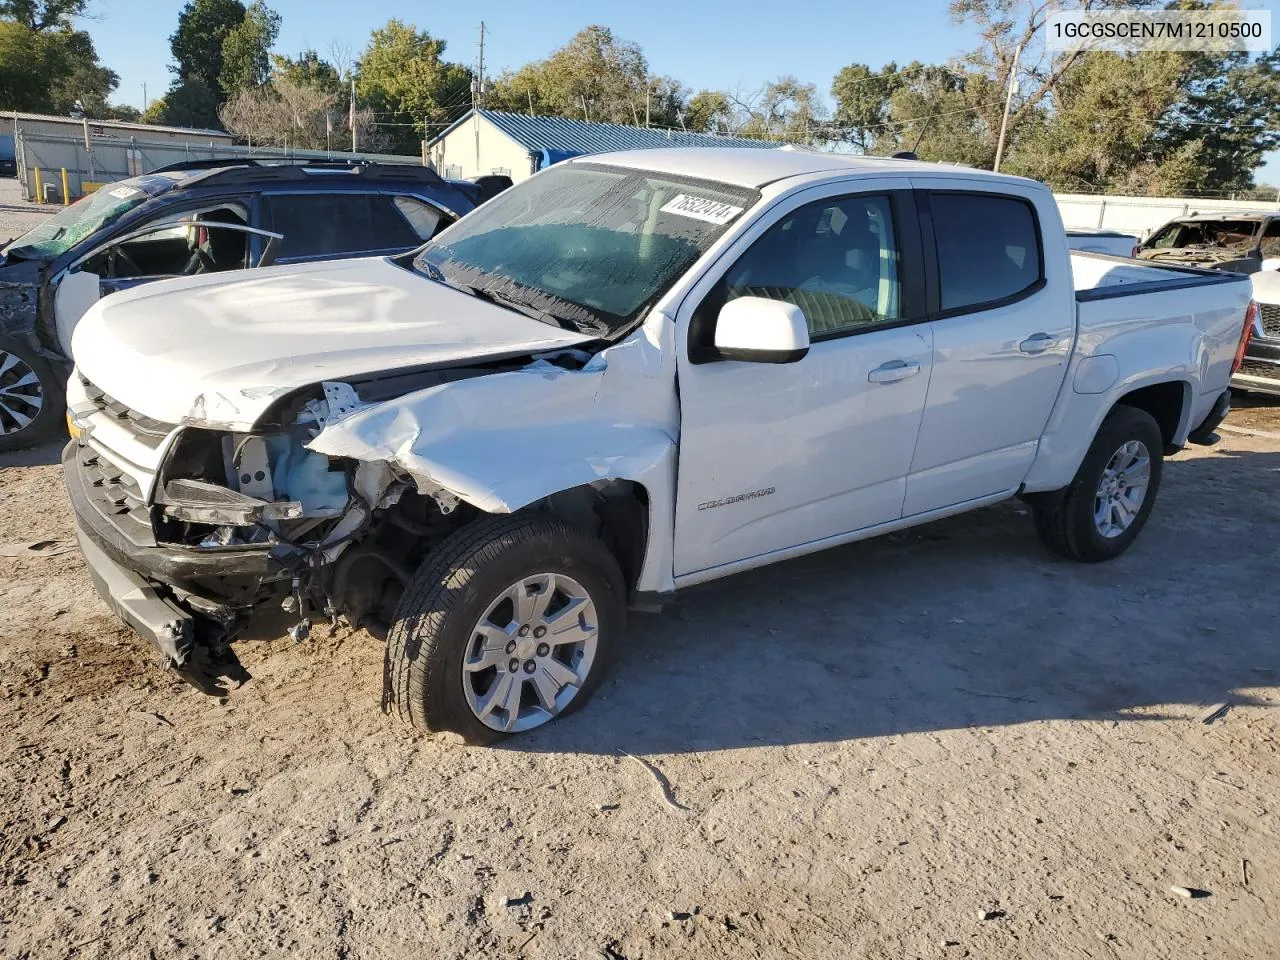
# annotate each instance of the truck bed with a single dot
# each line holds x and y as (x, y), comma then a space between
(1097, 276)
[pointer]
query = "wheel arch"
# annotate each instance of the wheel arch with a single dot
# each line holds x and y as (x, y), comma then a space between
(1169, 404)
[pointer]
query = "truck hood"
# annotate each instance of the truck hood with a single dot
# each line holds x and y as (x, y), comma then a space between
(220, 349)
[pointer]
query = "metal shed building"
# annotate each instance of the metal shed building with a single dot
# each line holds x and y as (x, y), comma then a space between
(96, 151)
(490, 141)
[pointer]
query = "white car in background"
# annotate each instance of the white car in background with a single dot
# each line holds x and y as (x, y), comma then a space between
(1111, 242)
(1246, 243)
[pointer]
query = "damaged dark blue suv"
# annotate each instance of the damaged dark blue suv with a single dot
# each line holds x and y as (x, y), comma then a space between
(192, 218)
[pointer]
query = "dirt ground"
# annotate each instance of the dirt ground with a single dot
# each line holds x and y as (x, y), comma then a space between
(944, 743)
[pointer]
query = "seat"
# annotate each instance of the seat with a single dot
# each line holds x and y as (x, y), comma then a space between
(214, 250)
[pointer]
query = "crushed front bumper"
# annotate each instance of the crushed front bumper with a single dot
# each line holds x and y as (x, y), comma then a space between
(176, 597)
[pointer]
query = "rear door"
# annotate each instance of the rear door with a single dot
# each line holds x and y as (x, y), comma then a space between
(327, 226)
(775, 456)
(1002, 335)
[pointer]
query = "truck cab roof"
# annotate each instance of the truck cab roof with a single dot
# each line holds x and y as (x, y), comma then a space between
(758, 168)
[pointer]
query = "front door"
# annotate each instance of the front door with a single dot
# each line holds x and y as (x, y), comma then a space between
(779, 455)
(1002, 338)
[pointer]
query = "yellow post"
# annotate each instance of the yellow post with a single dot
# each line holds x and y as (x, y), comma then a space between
(66, 190)
(39, 187)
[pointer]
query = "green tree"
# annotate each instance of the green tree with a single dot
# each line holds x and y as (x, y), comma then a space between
(403, 77)
(784, 110)
(190, 103)
(246, 51)
(41, 15)
(309, 69)
(595, 76)
(45, 63)
(708, 111)
(203, 27)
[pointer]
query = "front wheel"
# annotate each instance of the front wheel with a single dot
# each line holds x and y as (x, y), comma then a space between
(32, 396)
(509, 624)
(1101, 513)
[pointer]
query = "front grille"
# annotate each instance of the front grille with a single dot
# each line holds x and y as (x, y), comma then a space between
(1270, 319)
(115, 494)
(147, 430)
(1260, 368)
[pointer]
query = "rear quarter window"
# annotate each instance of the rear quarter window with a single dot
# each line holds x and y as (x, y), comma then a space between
(988, 248)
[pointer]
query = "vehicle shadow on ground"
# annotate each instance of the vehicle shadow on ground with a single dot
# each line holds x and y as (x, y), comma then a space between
(45, 455)
(964, 622)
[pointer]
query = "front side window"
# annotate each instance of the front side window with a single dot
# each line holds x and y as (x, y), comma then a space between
(988, 248)
(587, 245)
(182, 243)
(836, 259)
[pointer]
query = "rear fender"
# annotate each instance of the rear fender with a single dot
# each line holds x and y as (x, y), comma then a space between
(1097, 382)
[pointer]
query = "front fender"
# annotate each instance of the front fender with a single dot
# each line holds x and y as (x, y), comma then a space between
(504, 441)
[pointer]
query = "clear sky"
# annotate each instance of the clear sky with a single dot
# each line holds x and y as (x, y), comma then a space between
(718, 44)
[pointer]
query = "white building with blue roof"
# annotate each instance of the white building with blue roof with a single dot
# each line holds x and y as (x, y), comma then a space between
(490, 141)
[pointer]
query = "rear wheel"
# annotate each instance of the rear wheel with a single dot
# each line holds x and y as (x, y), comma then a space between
(1102, 512)
(32, 398)
(510, 624)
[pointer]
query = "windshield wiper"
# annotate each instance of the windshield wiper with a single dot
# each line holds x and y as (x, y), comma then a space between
(490, 295)
(528, 309)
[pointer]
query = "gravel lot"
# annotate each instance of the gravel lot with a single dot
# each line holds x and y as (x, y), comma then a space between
(16, 215)
(944, 743)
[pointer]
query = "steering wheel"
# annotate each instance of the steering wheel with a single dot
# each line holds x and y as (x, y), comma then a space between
(122, 256)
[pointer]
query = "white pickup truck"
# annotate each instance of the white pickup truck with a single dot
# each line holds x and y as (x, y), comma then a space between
(629, 374)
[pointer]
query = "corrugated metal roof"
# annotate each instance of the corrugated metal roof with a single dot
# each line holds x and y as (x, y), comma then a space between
(123, 124)
(581, 136)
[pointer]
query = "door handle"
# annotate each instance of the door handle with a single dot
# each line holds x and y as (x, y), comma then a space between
(1037, 343)
(893, 371)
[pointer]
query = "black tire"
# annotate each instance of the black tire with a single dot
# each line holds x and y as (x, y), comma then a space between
(47, 399)
(431, 629)
(1065, 518)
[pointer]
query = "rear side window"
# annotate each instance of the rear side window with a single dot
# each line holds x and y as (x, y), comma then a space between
(988, 248)
(425, 220)
(321, 224)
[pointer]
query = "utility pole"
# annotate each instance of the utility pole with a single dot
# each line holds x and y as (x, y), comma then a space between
(480, 101)
(477, 95)
(1008, 101)
(351, 116)
(647, 87)
(144, 96)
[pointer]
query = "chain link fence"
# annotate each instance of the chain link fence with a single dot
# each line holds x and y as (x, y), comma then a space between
(109, 160)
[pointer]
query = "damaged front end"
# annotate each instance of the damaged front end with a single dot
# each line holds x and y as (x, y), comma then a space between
(326, 502)
(194, 534)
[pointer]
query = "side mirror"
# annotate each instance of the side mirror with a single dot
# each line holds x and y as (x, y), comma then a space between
(762, 331)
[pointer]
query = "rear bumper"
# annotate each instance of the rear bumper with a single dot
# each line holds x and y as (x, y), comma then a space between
(1203, 433)
(1260, 372)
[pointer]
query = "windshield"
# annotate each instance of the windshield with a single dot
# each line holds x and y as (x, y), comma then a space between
(586, 245)
(1220, 234)
(86, 216)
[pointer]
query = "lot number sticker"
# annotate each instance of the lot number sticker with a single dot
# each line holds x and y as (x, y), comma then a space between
(710, 211)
